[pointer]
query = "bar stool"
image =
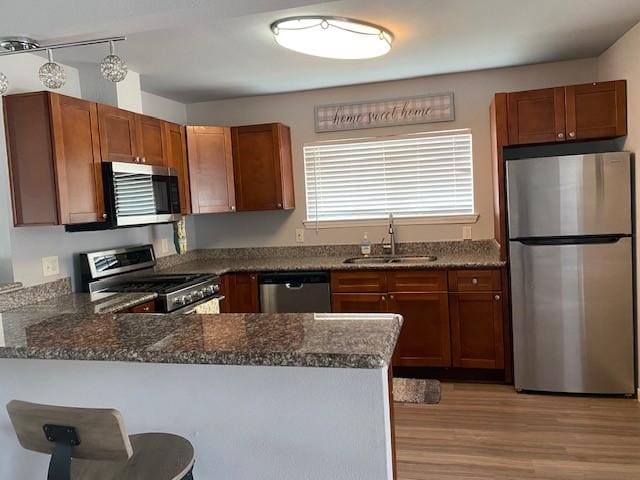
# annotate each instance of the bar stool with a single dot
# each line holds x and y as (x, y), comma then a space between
(97, 442)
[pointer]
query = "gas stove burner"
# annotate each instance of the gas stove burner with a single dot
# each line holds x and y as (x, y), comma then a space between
(130, 270)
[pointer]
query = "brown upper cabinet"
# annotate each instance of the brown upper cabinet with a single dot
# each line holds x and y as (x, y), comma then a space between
(53, 148)
(578, 112)
(152, 147)
(129, 137)
(211, 169)
(176, 149)
(263, 167)
(118, 135)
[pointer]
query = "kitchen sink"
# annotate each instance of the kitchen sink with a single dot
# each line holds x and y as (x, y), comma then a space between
(395, 259)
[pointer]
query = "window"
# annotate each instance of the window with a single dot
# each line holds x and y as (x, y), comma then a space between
(420, 175)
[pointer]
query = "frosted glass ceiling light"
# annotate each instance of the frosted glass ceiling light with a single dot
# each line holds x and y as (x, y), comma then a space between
(332, 37)
(112, 66)
(52, 74)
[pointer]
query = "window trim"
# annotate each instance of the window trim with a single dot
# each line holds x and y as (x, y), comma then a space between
(461, 219)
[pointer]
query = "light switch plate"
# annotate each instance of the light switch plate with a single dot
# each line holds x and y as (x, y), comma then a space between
(300, 235)
(50, 266)
(164, 245)
(467, 233)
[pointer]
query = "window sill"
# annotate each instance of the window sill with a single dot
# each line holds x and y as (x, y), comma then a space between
(448, 219)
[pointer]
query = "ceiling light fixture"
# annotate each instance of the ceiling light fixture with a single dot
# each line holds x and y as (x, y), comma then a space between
(51, 73)
(332, 37)
(112, 67)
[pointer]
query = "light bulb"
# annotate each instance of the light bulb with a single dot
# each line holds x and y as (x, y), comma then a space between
(52, 74)
(112, 67)
(4, 83)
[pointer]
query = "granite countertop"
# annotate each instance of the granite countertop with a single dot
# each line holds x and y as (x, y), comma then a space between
(10, 287)
(301, 340)
(222, 265)
(84, 303)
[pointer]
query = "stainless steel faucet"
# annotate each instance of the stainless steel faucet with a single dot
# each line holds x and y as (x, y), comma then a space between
(390, 247)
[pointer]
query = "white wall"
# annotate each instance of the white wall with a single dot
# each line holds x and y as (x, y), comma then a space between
(473, 93)
(21, 249)
(164, 108)
(622, 62)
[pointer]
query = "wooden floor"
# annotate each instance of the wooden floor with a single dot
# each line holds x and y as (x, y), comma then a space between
(492, 432)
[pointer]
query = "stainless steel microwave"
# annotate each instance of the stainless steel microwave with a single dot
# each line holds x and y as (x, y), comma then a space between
(136, 195)
(140, 194)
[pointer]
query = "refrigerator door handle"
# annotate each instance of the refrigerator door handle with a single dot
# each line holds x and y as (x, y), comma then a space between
(586, 240)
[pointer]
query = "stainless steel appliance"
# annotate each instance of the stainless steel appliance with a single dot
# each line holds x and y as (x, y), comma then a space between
(572, 282)
(130, 269)
(136, 194)
(295, 292)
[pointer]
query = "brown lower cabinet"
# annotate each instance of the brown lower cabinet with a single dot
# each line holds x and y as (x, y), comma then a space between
(241, 293)
(146, 307)
(451, 319)
(477, 330)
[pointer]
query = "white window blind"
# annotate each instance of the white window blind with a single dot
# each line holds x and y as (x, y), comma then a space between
(409, 175)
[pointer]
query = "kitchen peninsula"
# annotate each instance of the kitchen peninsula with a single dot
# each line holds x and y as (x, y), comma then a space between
(283, 396)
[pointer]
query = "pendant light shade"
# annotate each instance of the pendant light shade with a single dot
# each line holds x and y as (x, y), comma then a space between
(52, 74)
(332, 37)
(112, 67)
(4, 83)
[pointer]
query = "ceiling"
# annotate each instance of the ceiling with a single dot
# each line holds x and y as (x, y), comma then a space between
(198, 50)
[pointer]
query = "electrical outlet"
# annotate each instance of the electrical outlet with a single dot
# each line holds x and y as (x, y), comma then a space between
(164, 245)
(50, 266)
(300, 235)
(466, 233)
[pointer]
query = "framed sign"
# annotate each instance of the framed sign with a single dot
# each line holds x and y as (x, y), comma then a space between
(385, 113)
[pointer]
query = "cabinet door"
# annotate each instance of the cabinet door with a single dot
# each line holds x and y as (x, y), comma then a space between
(77, 160)
(151, 142)
(262, 167)
(358, 303)
(147, 307)
(118, 141)
(176, 148)
(536, 116)
(244, 296)
(359, 281)
(596, 110)
(210, 169)
(476, 330)
(424, 339)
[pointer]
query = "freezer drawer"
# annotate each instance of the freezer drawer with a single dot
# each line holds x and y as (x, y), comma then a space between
(569, 195)
(572, 310)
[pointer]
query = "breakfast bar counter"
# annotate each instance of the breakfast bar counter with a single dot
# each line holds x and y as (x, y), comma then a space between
(271, 384)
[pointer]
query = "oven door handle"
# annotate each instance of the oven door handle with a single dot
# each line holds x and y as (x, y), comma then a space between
(189, 309)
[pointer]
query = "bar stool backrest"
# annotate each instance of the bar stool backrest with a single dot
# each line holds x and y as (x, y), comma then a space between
(101, 432)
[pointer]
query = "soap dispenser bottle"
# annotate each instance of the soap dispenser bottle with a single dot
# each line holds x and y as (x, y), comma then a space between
(365, 245)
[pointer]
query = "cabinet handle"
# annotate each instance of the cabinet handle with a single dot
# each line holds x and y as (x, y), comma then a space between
(279, 205)
(474, 281)
(137, 159)
(497, 297)
(232, 208)
(390, 297)
(144, 160)
(383, 298)
(104, 215)
(561, 135)
(572, 134)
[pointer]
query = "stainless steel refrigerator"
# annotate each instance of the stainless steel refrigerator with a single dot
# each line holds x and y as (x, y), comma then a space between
(572, 282)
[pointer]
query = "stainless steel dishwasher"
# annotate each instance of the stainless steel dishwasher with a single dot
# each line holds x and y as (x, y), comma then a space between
(295, 292)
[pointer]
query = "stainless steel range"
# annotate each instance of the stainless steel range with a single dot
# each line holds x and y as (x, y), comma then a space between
(130, 269)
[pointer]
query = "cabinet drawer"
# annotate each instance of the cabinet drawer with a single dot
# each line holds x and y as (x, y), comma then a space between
(361, 281)
(417, 281)
(474, 280)
(147, 307)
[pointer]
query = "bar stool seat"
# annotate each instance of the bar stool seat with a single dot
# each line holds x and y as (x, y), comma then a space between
(160, 456)
(92, 444)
